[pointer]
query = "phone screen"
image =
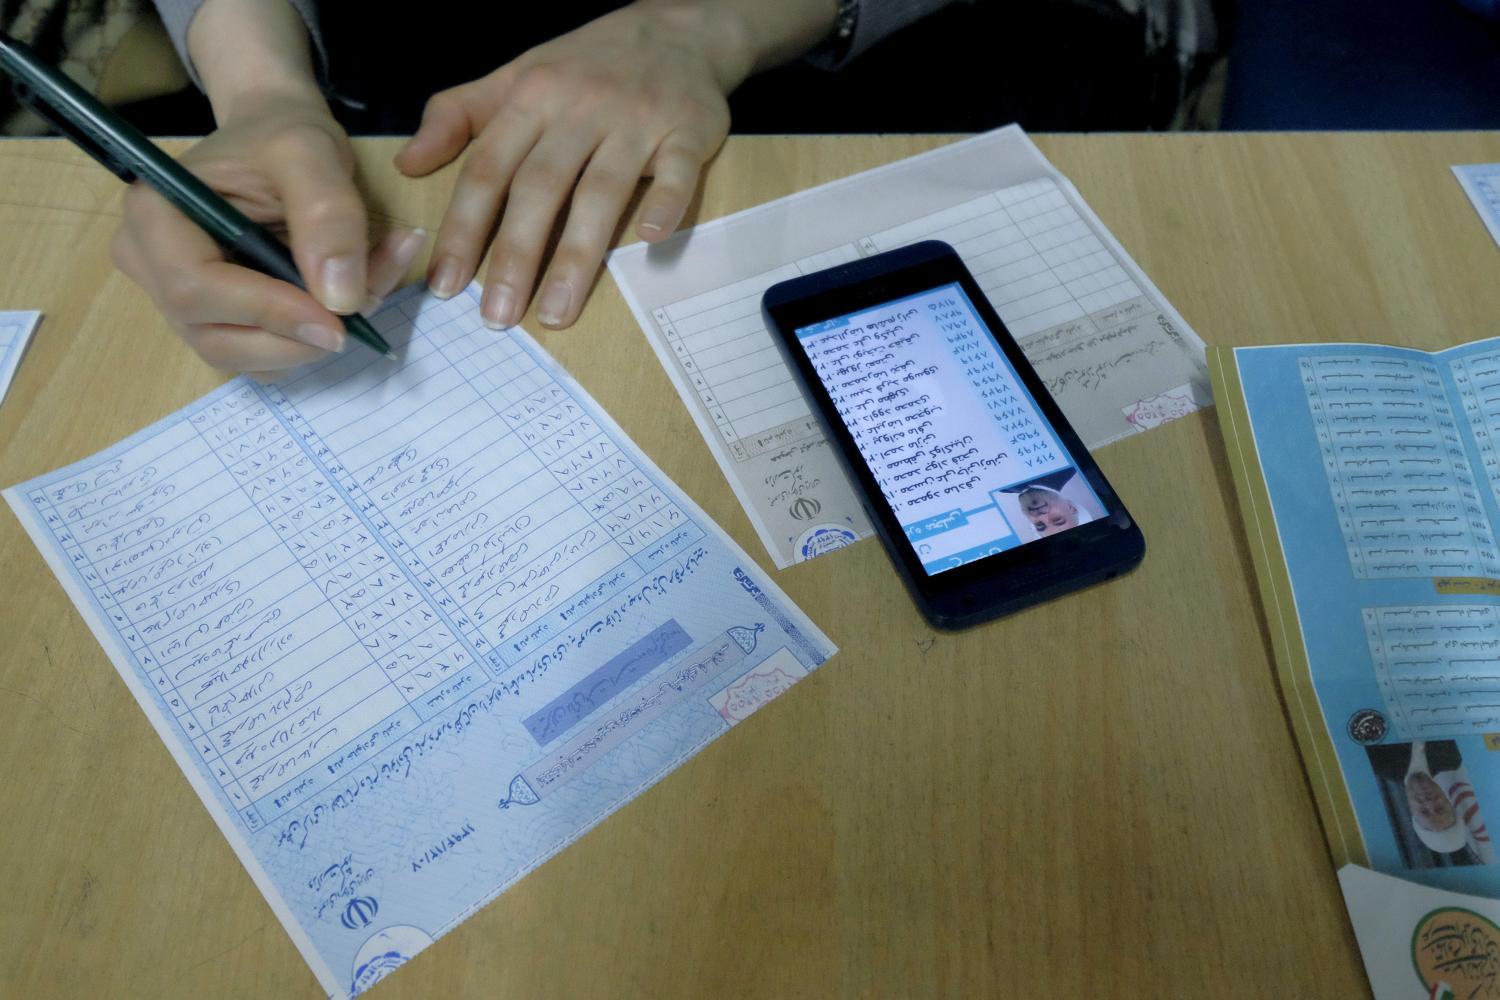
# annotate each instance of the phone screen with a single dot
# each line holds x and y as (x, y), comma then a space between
(958, 446)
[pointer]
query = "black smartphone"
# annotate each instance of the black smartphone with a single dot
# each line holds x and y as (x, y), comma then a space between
(982, 493)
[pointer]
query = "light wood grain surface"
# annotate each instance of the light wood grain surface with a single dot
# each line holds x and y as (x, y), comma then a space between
(1095, 798)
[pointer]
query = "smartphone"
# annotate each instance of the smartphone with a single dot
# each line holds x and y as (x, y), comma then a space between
(982, 493)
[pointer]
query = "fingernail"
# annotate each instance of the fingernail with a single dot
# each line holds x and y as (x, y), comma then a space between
(556, 298)
(655, 221)
(325, 337)
(498, 307)
(343, 284)
(446, 278)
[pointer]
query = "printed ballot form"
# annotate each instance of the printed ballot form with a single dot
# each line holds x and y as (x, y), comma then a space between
(1369, 478)
(1113, 352)
(16, 329)
(411, 627)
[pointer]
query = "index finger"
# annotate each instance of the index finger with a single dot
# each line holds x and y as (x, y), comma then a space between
(185, 273)
(325, 215)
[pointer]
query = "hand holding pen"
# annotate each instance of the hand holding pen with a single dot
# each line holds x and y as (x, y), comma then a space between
(194, 235)
(554, 143)
(284, 163)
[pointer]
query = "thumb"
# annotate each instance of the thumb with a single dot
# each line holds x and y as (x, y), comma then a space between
(446, 129)
(326, 217)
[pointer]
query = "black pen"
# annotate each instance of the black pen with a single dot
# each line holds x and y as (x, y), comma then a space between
(122, 148)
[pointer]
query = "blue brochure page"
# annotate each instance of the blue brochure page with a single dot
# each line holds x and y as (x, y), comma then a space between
(1382, 472)
(411, 627)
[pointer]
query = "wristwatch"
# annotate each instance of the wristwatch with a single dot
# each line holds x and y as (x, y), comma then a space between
(836, 46)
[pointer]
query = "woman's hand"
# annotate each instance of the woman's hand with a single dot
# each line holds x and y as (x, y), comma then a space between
(567, 130)
(280, 157)
(283, 162)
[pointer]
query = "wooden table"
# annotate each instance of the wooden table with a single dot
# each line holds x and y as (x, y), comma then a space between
(1095, 798)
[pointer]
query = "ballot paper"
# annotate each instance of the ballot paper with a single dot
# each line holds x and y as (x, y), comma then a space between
(1112, 350)
(1369, 479)
(1481, 182)
(16, 329)
(411, 627)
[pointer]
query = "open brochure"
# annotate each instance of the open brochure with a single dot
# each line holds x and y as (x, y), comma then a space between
(1370, 485)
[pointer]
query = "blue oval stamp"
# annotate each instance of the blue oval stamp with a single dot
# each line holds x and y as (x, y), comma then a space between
(824, 538)
(384, 953)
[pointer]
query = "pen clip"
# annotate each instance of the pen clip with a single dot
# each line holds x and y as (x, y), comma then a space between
(29, 98)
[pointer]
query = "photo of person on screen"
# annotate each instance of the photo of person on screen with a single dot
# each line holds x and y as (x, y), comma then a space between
(1048, 510)
(1050, 504)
